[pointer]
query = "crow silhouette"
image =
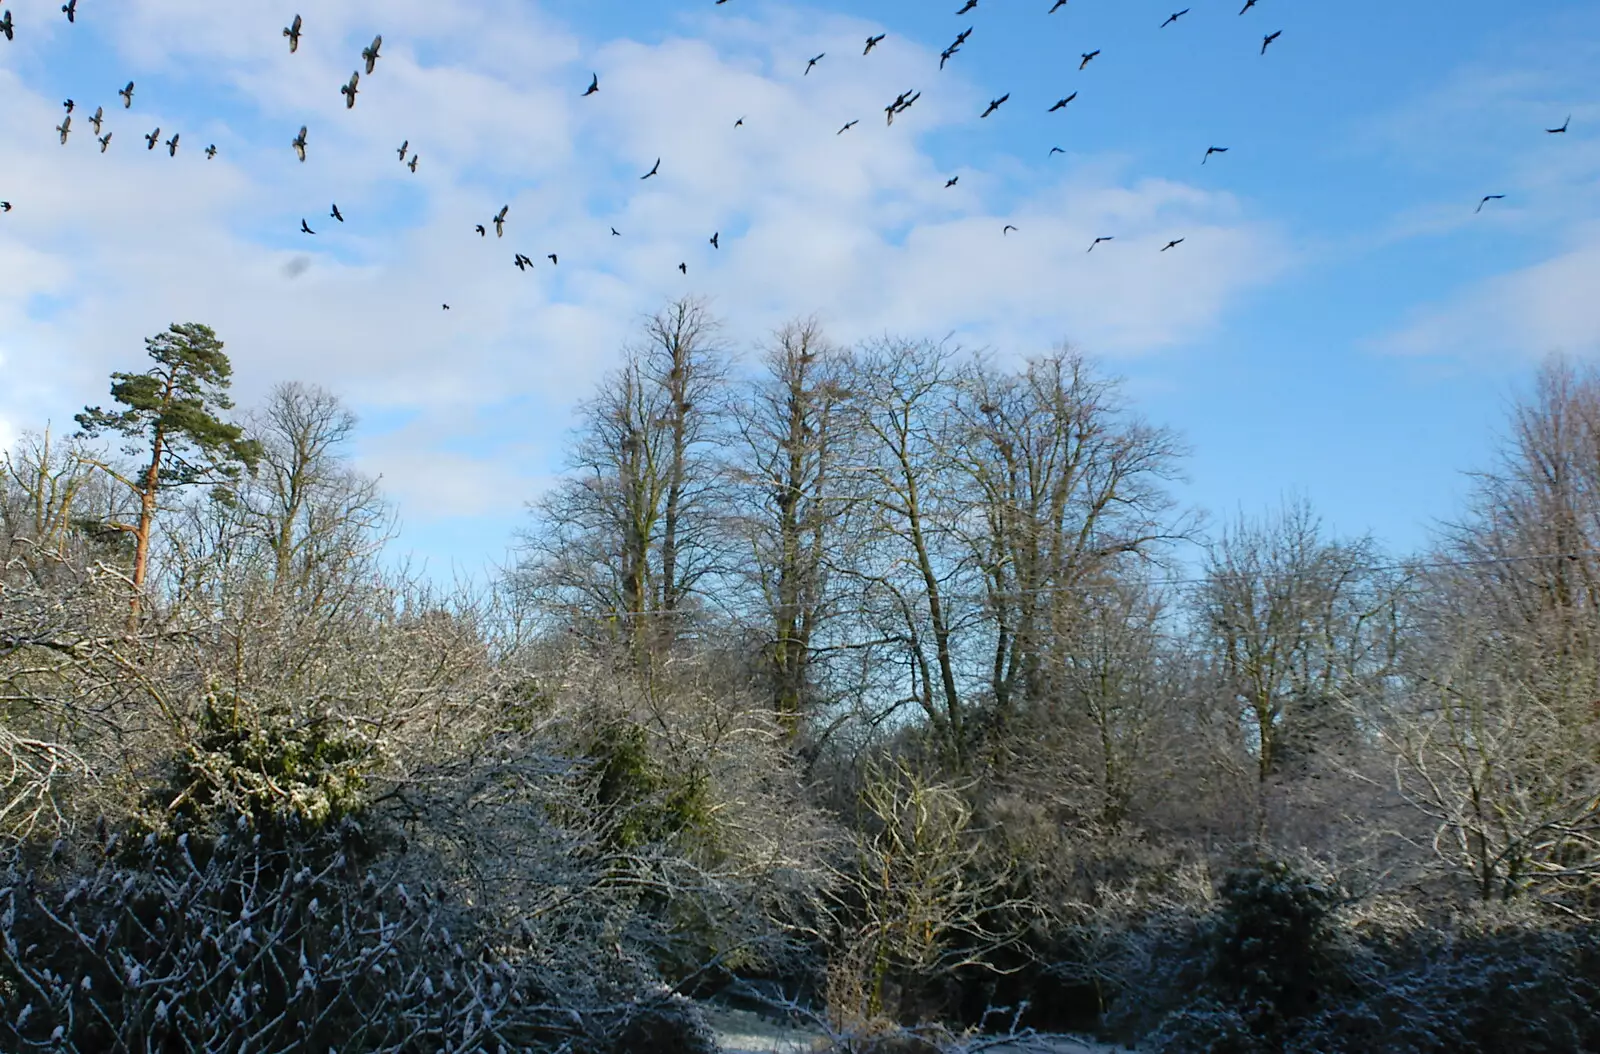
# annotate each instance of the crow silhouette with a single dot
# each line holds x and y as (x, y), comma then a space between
(1486, 199)
(813, 62)
(1563, 128)
(994, 104)
(653, 170)
(336, 214)
(594, 85)
(1269, 38)
(1172, 244)
(1213, 150)
(873, 42)
(1088, 56)
(1061, 104)
(70, 8)
(1174, 17)
(1103, 238)
(172, 145)
(304, 227)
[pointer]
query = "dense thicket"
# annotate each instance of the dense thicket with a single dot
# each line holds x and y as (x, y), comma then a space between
(883, 682)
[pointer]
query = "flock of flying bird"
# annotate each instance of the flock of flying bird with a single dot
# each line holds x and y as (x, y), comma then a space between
(370, 56)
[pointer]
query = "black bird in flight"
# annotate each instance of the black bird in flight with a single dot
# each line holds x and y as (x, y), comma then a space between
(500, 221)
(848, 125)
(127, 96)
(483, 232)
(1087, 56)
(105, 141)
(70, 8)
(370, 53)
(714, 236)
(1486, 199)
(615, 233)
(1103, 238)
(684, 268)
(951, 181)
(1055, 150)
(901, 104)
(65, 128)
(522, 262)
(1248, 4)
(172, 145)
(1563, 128)
(402, 151)
(653, 170)
(1172, 244)
(98, 117)
(412, 164)
(304, 228)
(445, 306)
(873, 42)
(994, 104)
(968, 6)
(6, 27)
(594, 85)
(955, 46)
(349, 90)
(293, 33)
(1269, 38)
(1174, 17)
(739, 123)
(5, 206)
(69, 104)
(551, 257)
(1213, 150)
(813, 62)
(1006, 230)
(152, 139)
(336, 214)
(1056, 6)
(211, 151)
(299, 144)
(1061, 104)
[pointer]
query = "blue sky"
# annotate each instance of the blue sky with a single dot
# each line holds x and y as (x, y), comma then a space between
(1338, 322)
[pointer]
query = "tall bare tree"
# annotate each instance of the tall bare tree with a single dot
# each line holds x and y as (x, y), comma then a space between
(319, 518)
(632, 532)
(791, 505)
(1067, 486)
(1303, 631)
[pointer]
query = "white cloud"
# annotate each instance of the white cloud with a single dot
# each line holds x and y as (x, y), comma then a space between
(1548, 307)
(104, 250)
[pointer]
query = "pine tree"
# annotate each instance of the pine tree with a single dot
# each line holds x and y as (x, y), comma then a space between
(172, 415)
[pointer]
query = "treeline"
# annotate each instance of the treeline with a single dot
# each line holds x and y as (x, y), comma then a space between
(875, 684)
